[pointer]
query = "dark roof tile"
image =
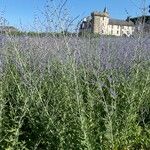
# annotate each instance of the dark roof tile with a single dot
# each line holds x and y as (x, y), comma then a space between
(120, 22)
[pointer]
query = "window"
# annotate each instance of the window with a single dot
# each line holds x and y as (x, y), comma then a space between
(111, 31)
(83, 26)
(89, 25)
(117, 32)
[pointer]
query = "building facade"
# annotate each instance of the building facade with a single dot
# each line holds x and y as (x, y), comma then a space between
(101, 23)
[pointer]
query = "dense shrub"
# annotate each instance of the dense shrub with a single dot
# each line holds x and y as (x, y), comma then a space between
(75, 93)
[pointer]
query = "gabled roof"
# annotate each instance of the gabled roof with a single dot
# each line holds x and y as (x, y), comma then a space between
(120, 22)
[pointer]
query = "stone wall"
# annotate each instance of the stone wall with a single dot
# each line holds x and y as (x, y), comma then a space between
(100, 22)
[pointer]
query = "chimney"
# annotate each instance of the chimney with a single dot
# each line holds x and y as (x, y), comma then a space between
(128, 19)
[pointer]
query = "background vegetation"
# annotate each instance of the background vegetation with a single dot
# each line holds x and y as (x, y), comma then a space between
(73, 93)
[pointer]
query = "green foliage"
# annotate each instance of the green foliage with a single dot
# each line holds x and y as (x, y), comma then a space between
(39, 34)
(72, 108)
(86, 34)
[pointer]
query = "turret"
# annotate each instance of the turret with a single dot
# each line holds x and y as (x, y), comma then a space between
(100, 21)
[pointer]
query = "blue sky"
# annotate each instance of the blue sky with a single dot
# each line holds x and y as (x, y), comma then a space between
(22, 12)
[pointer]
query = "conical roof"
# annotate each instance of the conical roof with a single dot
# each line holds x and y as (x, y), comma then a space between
(105, 10)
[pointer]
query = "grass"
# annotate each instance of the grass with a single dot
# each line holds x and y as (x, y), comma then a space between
(71, 103)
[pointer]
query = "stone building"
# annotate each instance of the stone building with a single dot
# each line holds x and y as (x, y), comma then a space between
(101, 23)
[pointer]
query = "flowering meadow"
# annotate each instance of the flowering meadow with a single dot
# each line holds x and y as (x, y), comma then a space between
(74, 93)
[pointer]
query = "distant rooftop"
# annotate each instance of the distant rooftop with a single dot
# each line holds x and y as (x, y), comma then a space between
(120, 22)
(141, 18)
